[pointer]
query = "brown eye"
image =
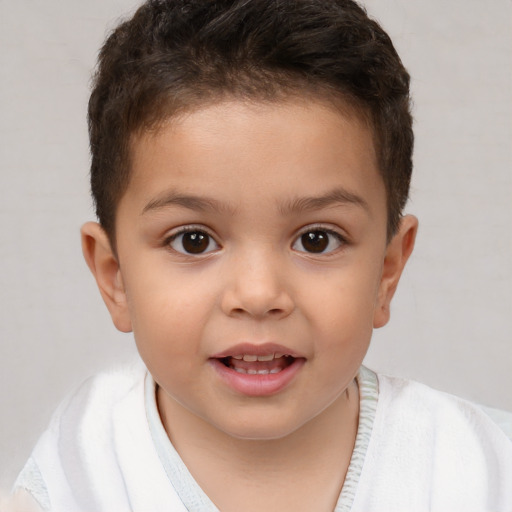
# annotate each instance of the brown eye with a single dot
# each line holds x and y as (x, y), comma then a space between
(315, 241)
(193, 242)
(318, 241)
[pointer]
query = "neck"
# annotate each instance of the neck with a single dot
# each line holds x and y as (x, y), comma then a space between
(316, 453)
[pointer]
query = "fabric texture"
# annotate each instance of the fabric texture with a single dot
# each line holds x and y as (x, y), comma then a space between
(416, 449)
(502, 418)
(431, 451)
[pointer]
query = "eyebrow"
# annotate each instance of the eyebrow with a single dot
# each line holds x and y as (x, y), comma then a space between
(191, 202)
(336, 197)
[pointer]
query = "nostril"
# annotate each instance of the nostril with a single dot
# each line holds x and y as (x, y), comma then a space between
(270, 312)
(258, 303)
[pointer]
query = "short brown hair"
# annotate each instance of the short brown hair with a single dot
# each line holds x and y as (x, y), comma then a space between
(173, 54)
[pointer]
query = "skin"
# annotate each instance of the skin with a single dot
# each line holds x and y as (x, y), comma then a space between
(21, 501)
(254, 178)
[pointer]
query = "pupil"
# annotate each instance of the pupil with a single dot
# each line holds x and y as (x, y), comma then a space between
(315, 241)
(195, 242)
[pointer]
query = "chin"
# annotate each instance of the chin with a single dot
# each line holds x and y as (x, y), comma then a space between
(261, 430)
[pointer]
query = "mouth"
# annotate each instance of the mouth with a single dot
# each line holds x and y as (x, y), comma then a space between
(254, 370)
(252, 364)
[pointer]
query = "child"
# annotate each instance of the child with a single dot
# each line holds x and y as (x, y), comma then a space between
(250, 164)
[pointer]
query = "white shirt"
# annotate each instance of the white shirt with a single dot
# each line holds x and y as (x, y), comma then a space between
(416, 450)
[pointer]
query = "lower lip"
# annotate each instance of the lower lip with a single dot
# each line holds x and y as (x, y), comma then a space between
(258, 385)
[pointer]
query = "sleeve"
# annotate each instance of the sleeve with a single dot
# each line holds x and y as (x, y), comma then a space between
(30, 487)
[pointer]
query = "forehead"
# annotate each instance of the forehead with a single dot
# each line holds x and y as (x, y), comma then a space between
(239, 151)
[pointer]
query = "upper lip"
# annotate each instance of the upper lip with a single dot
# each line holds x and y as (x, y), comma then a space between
(256, 350)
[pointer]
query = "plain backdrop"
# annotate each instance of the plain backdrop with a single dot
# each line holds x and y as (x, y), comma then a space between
(451, 315)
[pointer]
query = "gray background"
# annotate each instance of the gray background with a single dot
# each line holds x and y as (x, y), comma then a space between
(450, 322)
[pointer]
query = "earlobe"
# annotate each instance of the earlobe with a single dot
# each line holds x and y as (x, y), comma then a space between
(397, 253)
(103, 264)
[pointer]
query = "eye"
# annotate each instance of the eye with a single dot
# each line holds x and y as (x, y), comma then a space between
(193, 241)
(318, 241)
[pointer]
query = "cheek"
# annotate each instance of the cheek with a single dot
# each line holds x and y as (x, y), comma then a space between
(346, 295)
(168, 316)
(341, 306)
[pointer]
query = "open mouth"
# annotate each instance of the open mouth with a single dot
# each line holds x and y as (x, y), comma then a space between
(257, 370)
(251, 364)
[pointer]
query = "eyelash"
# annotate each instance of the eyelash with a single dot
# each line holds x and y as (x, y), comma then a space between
(191, 229)
(340, 239)
(316, 229)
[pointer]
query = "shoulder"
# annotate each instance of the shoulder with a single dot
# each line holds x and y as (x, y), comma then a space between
(88, 412)
(82, 437)
(98, 453)
(444, 424)
(103, 390)
(416, 403)
(432, 447)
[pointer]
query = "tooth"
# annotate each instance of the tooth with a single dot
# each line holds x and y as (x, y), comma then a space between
(268, 357)
(275, 370)
(277, 355)
(250, 358)
(263, 372)
(239, 370)
(251, 371)
(237, 357)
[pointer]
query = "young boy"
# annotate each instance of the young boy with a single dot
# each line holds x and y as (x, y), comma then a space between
(250, 164)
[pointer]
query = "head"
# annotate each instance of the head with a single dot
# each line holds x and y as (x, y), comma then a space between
(174, 56)
(250, 164)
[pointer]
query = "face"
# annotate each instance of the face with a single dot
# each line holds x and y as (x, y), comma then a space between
(252, 262)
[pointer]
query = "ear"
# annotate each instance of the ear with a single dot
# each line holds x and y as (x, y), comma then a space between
(104, 266)
(397, 253)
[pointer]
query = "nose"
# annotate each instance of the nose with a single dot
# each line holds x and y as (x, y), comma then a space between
(256, 287)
